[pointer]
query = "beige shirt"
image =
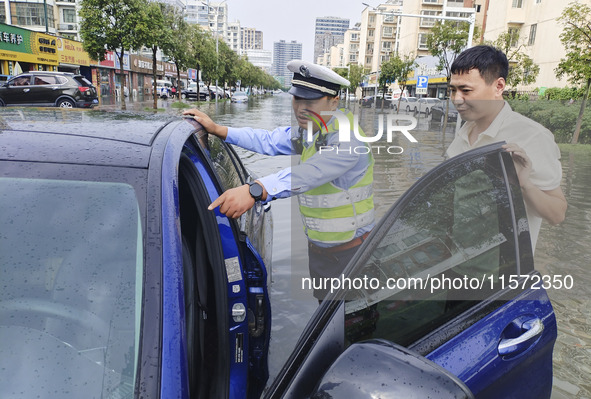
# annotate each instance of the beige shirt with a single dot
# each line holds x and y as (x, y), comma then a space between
(535, 139)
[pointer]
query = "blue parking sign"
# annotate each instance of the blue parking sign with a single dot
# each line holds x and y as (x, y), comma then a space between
(422, 82)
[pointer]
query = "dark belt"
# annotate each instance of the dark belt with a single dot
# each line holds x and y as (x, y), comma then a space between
(338, 248)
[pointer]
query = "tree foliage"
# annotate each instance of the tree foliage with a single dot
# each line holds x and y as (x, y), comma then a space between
(576, 39)
(153, 31)
(110, 25)
(354, 74)
(446, 42)
(522, 69)
(175, 41)
(402, 67)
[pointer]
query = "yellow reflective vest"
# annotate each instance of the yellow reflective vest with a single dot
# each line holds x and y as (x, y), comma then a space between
(332, 214)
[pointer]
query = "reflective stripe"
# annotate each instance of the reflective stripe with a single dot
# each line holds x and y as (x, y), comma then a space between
(346, 197)
(344, 211)
(339, 225)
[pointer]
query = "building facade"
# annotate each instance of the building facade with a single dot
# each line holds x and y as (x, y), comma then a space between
(260, 58)
(62, 16)
(539, 33)
(329, 31)
(283, 52)
(233, 36)
(251, 39)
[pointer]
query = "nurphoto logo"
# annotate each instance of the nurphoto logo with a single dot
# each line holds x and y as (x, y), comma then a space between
(394, 123)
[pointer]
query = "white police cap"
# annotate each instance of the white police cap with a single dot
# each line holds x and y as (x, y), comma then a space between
(313, 81)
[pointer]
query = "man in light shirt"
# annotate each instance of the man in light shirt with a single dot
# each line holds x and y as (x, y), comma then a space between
(477, 85)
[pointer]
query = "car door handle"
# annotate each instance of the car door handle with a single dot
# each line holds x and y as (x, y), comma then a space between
(532, 328)
(26, 90)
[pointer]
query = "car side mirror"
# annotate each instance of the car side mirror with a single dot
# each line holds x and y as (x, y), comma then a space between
(379, 368)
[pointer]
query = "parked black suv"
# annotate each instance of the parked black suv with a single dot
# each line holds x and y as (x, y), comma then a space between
(48, 89)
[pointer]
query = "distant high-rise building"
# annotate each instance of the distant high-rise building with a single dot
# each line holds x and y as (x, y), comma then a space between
(283, 52)
(252, 39)
(329, 32)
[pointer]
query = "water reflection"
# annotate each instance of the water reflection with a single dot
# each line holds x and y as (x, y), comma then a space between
(560, 250)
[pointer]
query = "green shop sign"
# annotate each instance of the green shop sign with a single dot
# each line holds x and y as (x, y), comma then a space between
(17, 44)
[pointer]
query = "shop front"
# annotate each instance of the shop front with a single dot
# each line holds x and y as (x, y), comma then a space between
(437, 80)
(143, 77)
(73, 58)
(22, 50)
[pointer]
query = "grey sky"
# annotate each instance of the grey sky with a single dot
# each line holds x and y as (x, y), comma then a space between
(291, 20)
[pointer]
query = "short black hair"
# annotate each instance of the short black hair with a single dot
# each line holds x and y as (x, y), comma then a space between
(491, 63)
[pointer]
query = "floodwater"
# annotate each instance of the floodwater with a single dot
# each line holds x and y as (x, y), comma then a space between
(561, 250)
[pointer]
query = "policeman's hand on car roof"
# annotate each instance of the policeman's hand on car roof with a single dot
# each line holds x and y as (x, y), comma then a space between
(208, 124)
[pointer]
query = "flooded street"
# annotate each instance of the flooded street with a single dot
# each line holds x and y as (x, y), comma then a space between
(561, 250)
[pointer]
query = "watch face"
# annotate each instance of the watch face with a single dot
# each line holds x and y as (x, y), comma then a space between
(256, 191)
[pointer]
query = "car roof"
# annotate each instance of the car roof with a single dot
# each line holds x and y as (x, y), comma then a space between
(77, 138)
(48, 73)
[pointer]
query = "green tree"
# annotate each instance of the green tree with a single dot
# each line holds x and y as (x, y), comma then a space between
(354, 74)
(227, 61)
(201, 51)
(522, 69)
(152, 31)
(576, 39)
(387, 75)
(176, 43)
(110, 25)
(446, 42)
(403, 66)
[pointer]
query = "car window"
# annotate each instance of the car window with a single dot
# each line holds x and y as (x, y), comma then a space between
(82, 81)
(458, 227)
(224, 165)
(45, 80)
(23, 80)
(72, 267)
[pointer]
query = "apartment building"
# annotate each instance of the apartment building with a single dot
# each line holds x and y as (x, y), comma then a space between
(251, 39)
(378, 37)
(329, 31)
(233, 36)
(62, 17)
(283, 52)
(539, 32)
(351, 45)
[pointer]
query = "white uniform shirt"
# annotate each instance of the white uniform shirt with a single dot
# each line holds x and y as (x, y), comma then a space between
(535, 139)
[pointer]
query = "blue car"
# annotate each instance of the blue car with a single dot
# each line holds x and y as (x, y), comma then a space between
(117, 282)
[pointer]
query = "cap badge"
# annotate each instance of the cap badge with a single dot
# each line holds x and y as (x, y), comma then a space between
(304, 71)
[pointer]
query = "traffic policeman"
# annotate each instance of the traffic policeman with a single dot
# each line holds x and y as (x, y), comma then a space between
(333, 180)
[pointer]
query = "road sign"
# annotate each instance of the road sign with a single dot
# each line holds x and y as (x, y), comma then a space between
(422, 82)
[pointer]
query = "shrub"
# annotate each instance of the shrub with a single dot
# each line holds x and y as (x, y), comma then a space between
(557, 116)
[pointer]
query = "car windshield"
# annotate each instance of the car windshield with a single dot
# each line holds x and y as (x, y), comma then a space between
(71, 264)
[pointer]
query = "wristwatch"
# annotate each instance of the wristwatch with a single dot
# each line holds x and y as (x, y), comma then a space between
(256, 191)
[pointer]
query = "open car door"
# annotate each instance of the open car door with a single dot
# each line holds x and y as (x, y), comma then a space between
(444, 287)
